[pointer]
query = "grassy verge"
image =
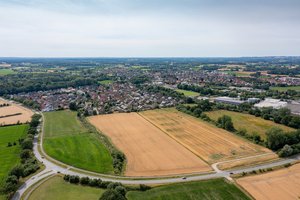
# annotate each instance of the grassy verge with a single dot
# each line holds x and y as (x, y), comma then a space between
(187, 93)
(56, 188)
(68, 140)
(209, 189)
(284, 89)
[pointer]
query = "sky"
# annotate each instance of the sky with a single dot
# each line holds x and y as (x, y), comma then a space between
(149, 28)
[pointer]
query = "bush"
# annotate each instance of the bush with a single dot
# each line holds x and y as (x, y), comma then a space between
(95, 182)
(113, 185)
(84, 180)
(27, 143)
(121, 190)
(25, 154)
(144, 187)
(11, 184)
(17, 171)
(67, 177)
(225, 122)
(112, 195)
(286, 151)
(74, 179)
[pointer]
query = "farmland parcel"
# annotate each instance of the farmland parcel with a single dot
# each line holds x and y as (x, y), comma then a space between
(277, 185)
(10, 156)
(56, 188)
(217, 189)
(149, 151)
(205, 140)
(249, 122)
(67, 140)
(14, 113)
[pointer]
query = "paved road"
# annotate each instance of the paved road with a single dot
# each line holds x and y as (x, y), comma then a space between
(53, 166)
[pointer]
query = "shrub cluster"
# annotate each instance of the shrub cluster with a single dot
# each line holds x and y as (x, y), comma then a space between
(197, 110)
(114, 190)
(118, 161)
(286, 144)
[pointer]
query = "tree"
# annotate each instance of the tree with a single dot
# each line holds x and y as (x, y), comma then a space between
(27, 144)
(84, 180)
(276, 138)
(225, 122)
(112, 194)
(25, 154)
(286, 151)
(17, 171)
(121, 190)
(73, 106)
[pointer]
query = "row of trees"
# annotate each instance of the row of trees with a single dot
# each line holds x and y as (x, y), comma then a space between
(286, 144)
(197, 110)
(114, 190)
(28, 163)
(279, 116)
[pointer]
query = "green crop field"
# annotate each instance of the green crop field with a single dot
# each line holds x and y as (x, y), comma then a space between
(9, 156)
(216, 189)
(68, 141)
(249, 122)
(6, 72)
(106, 82)
(284, 89)
(188, 93)
(56, 188)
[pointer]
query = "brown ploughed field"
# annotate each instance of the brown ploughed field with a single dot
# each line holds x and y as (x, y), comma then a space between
(283, 184)
(210, 143)
(149, 151)
(21, 114)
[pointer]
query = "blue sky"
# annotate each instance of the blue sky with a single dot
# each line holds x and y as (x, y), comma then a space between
(138, 28)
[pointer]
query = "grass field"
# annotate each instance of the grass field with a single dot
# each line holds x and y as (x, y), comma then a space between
(210, 143)
(9, 156)
(276, 185)
(216, 189)
(149, 151)
(106, 82)
(57, 189)
(284, 89)
(188, 93)
(68, 141)
(249, 122)
(6, 72)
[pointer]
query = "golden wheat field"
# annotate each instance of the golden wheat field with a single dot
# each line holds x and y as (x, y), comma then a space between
(210, 143)
(149, 151)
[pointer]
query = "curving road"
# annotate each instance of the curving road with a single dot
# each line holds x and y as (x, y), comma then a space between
(53, 166)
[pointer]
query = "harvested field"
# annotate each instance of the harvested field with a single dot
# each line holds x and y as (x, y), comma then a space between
(276, 185)
(205, 140)
(15, 113)
(248, 161)
(148, 150)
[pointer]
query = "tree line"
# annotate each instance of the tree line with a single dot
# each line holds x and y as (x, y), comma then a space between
(114, 190)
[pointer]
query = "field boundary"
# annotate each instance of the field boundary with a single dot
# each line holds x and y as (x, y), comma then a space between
(106, 141)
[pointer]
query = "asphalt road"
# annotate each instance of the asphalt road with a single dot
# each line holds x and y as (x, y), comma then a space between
(53, 166)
